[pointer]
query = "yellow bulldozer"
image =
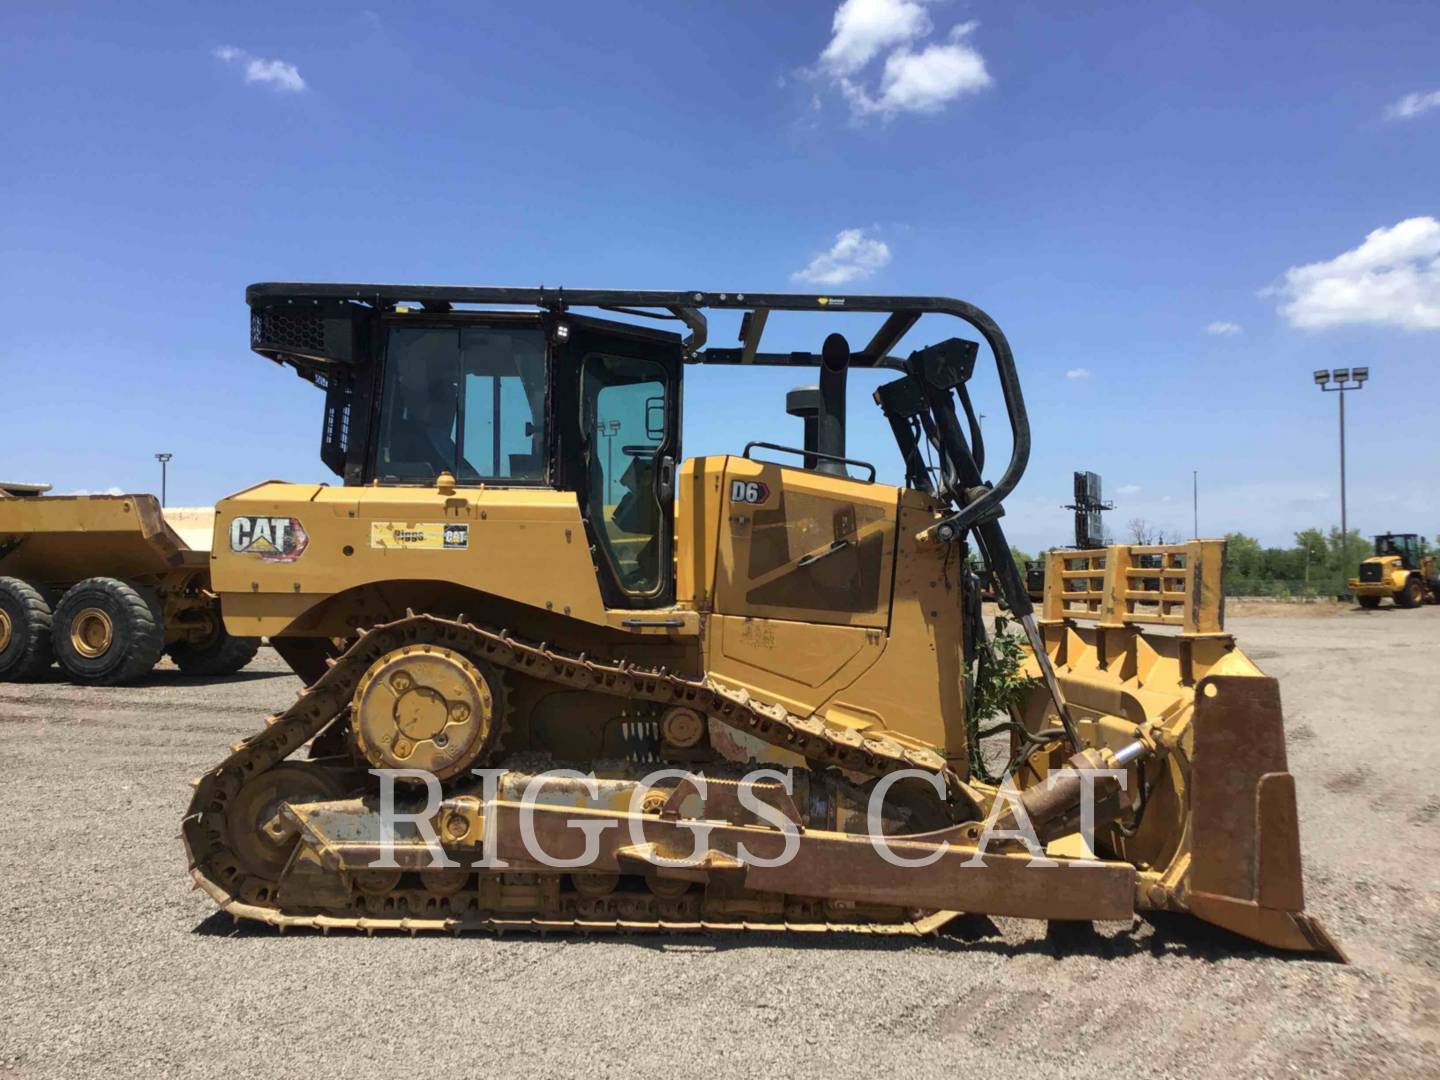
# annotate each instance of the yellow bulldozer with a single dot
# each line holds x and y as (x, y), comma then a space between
(1399, 571)
(560, 678)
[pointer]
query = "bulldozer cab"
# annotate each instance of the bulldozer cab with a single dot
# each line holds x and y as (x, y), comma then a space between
(432, 384)
(514, 402)
(1404, 545)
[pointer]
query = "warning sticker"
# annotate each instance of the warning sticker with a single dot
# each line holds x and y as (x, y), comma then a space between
(273, 539)
(420, 535)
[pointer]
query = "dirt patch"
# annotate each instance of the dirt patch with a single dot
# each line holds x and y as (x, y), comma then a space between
(118, 969)
(1265, 608)
(1356, 779)
(1424, 815)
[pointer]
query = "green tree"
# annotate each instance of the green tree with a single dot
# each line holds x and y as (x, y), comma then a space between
(1320, 564)
(1346, 554)
(1243, 556)
(1020, 560)
(1314, 550)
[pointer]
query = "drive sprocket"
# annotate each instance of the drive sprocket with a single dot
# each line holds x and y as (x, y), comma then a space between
(427, 707)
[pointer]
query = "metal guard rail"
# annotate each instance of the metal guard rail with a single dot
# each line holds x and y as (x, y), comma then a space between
(1179, 585)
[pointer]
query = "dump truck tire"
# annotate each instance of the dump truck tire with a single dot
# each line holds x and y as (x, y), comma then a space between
(106, 632)
(25, 620)
(224, 654)
(1371, 602)
(1411, 595)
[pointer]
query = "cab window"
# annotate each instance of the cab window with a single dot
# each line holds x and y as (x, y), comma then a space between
(470, 400)
(623, 412)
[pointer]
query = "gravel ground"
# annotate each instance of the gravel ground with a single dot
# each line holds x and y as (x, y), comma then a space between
(113, 967)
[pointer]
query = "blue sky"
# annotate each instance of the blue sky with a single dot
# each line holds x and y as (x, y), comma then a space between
(1156, 201)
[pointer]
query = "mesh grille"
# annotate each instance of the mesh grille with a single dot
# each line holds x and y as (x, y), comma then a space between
(1370, 571)
(288, 331)
(342, 438)
(335, 431)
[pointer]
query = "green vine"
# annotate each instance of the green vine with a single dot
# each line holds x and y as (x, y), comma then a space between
(997, 689)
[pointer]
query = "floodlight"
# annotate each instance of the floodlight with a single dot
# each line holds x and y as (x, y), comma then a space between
(1342, 374)
(1322, 377)
(1360, 374)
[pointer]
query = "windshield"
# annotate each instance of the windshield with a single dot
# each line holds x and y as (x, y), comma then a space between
(468, 399)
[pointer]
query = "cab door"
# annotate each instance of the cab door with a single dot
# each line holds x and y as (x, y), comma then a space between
(617, 402)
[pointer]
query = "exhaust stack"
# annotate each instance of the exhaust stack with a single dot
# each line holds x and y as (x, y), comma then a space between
(822, 408)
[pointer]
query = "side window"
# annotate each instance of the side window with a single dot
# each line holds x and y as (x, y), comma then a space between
(623, 416)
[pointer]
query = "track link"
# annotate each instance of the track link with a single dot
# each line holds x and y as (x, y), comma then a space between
(216, 869)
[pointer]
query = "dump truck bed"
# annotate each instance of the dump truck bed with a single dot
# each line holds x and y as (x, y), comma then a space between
(66, 538)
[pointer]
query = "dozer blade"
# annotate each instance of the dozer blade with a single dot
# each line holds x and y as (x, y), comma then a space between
(1245, 870)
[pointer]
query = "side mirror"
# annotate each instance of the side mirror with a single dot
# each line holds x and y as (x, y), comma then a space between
(655, 418)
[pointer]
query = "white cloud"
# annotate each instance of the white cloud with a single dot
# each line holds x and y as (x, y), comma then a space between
(924, 81)
(1393, 279)
(862, 28)
(1128, 489)
(1078, 373)
(1412, 105)
(276, 74)
(853, 257)
(915, 76)
(1224, 329)
(112, 490)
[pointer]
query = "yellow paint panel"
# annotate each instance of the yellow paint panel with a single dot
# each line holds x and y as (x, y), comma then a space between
(526, 545)
(913, 690)
(802, 545)
(798, 665)
(697, 527)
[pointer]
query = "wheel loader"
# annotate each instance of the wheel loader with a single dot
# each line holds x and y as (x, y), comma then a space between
(560, 678)
(1400, 571)
(105, 585)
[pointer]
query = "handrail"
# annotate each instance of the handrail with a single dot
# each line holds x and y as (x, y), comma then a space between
(810, 454)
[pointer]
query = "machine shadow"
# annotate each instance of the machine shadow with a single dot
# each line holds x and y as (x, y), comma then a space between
(176, 678)
(56, 677)
(1159, 935)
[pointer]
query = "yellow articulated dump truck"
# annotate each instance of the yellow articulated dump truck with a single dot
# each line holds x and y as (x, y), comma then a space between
(106, 586)
(560, 677)
(1399, 571)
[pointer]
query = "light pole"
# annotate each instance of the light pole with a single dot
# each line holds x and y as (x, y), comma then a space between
(164, 460)
(1345, 379)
